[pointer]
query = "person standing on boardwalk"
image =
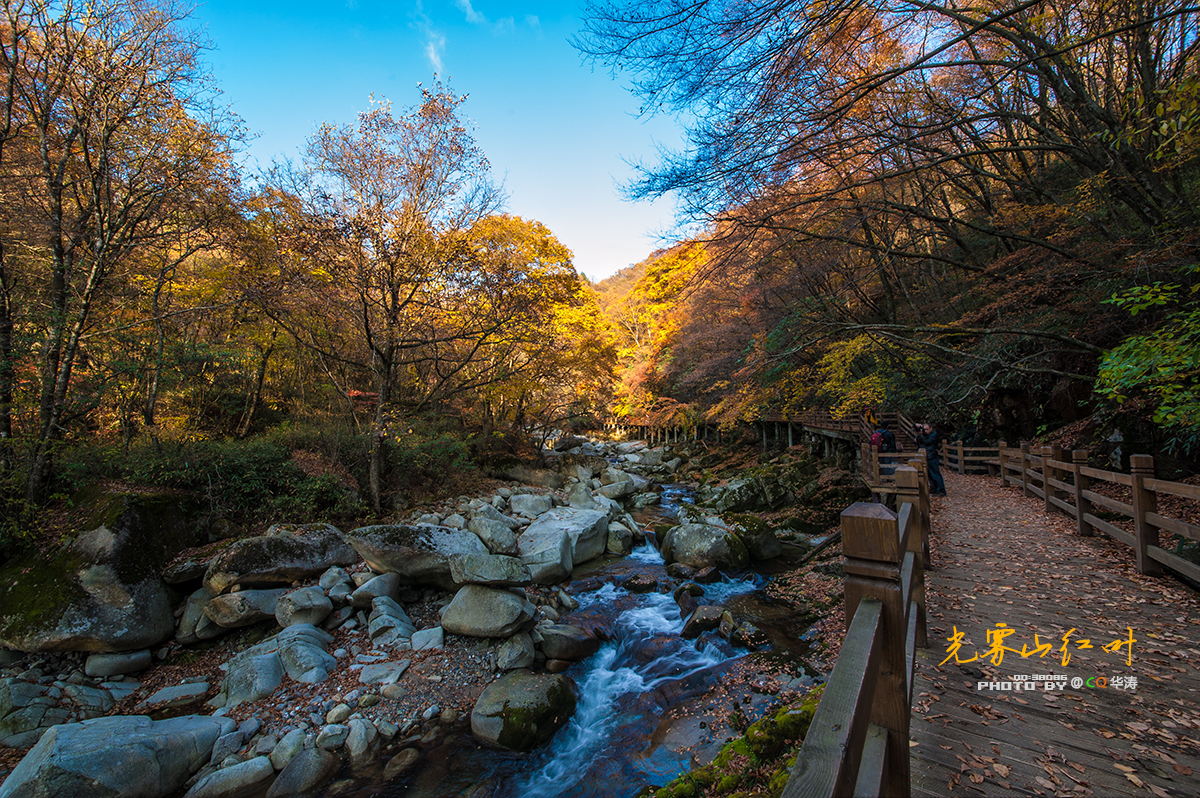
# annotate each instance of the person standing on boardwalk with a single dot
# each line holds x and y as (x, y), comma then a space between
(929, 440)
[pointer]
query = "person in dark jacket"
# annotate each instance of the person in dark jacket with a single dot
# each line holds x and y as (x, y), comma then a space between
(929, 440)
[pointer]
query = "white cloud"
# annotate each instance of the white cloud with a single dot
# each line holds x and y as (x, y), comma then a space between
(532, 21)
(473, 16)
(435, 45)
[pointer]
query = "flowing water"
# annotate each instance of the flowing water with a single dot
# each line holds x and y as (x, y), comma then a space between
(614, 743)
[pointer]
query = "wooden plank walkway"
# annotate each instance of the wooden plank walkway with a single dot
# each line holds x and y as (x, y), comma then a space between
(998, 558)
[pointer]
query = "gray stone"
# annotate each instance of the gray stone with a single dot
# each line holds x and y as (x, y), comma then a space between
(332, 736)
(234, 610)
(587, 530)
(581, 498)
(226, 745)
(282, 556)
(338, 714)
(288, 746)
(420, 555)
(386, 673)
(522, 710)
(251, 677)
(306, 605)
(612, 476)
(362, 743)
(515, 652)
(382, 586)
(489, 569)
(454, 521)
(620, 540)
(333, 576)
(428, 639)
(499, 538)
(179, 695)
(546, 552)
(101, 665)
(567, 642)
(92, 701)
(702, 546)
(307, 771)
(302, 648)
(479, 611)
(617, 490)
(238, 781)
(125, 756)
(193, 614)
(529, 504)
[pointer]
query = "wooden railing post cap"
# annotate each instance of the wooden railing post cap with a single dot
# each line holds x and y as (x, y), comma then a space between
(1141, 462)
(1079, 456)
(869, 510)
(869, 533)
(907, 477)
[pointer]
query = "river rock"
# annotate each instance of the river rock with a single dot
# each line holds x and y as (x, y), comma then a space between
(530, 504)
(362, 743)
(282, 556)
(489, 569)
(522, 710)
(419, 554)
(702, 619)
(498, 537)
(102, 665)
(528, 475)
(703, 545)
(617, 490)
(306, 605)
(546, 552)
(587, 529)
(286, 749)
(484, 510)
(237, 781)
(515, 652)
(389, 624)
(479, 611)
(568, 642)
(178, 695)
(428, 638)
(126, 756)
(581, 498)
(103, 591)
(760, 540)
(251, 677)
(307, 771)
(26, 711)
(234, 610)
(620, 540)
(383, 585)
(193, 615)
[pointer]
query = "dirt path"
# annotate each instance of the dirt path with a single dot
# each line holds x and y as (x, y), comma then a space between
(1000, 562)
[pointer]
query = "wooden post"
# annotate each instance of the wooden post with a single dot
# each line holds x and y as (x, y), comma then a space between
(871, 547)
(922, 467)
(790, 439)
(1141, 466)
(1025, 463)
(962, 460)
(1048, 471)
(1079, 459)
(875, 465)
(908, 491)
(1003, 464)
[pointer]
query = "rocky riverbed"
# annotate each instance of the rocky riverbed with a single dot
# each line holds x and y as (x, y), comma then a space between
(312, 660)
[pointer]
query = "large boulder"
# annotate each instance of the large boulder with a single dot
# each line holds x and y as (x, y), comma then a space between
(479, 611)
(530, 505)
(546, 551)
(419, 554)
(285, 554)
(103, 590)
(251, 678)
(305, 605)
(758, 536)
(489, 569)
(522, 710)
(704, 545)
(305, 773)
(242, 780)
(116, 757)
(496, 535)
(587, 530)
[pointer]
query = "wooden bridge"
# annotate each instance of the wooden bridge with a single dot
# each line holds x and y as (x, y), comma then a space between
(1027, 639)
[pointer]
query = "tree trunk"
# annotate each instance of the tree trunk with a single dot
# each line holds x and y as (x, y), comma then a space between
(254, 398)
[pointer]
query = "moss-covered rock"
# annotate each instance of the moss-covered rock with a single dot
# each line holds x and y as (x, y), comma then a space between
(522, 710)
(734, 771)
(704, 545)
(100, 591)
(282, 556)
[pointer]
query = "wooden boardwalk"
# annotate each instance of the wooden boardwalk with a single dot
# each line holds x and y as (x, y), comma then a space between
(998, 558)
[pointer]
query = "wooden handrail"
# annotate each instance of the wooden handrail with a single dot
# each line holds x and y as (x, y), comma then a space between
(857, 743)
(1067, 485)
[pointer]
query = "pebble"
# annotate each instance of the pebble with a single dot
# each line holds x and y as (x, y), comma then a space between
(393, 692)
(338, 714)
(432, 710)
(341, 653)
(368, 700)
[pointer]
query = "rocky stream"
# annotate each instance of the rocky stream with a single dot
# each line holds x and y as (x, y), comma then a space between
(594, 626)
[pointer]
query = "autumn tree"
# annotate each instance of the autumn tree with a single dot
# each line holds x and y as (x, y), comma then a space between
(123, 142)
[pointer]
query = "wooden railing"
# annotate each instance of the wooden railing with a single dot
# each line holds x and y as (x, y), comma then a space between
(1067, 485)
(858, 741)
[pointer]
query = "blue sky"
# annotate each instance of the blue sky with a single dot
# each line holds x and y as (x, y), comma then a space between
(557, 132)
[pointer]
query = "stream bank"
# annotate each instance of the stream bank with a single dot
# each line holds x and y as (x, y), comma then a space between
(672, 702)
